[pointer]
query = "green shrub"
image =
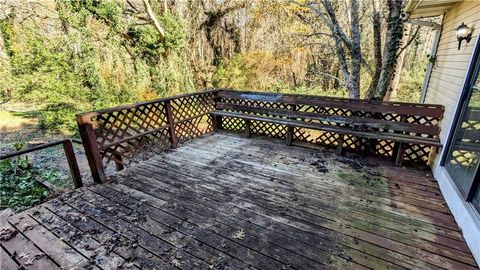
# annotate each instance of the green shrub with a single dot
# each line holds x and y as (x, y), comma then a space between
(18, 187)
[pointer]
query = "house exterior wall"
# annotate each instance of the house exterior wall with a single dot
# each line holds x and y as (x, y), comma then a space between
(451, 65)
(445, 86)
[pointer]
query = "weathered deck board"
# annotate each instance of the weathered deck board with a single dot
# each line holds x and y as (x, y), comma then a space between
(225, 201)
(308, 218)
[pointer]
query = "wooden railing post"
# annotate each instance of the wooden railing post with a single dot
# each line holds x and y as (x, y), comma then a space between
(290, 129)
(248, 133)
(171, 123)
(398, 150)
(72, 163)
(118, 161)
(89, 139)
(216, 119)
(339, 150)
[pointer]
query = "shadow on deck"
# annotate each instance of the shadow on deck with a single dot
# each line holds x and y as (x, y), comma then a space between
(226, 202)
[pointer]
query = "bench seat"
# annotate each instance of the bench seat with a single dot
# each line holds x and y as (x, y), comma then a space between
(404, 138)
(344, 127)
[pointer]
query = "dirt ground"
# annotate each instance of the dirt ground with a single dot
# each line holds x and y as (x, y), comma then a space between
(21, 126)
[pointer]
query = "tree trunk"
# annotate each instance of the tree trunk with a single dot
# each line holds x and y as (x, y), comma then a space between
(392, 91)
(356, 51)
(377, 45)
(392, 44)
(152, 16)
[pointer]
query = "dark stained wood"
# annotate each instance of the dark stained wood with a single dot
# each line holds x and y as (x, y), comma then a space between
(248, 132)
(373, 106)
(92, 151)
(357, 122)
(139, 104)
(171, 124)
(290, 129)
(337, 129)
(339, 150)
(72, 164)
(400, 154)
(322, 120)
(21, 248)
(69, 155)
(126, 134)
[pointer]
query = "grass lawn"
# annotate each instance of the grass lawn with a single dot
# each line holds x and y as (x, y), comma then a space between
(11, 121)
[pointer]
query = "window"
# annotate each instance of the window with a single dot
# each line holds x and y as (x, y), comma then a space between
(463, 156)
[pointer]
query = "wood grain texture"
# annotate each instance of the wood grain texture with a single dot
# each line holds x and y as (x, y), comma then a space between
(225, 201)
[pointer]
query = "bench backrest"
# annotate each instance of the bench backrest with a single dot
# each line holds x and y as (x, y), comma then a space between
(414, 120)
(393, 117)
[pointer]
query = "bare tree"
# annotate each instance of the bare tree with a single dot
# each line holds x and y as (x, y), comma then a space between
(393, 36)
(348, 47)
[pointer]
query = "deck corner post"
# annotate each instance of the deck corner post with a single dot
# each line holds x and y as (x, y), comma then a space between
(400, 154)
(398, 147)
(290, 129)
(216, 119)
(72, 163)
(89, 139)
(339, 151)
(171, 124)
(118, 161)
(248, 133)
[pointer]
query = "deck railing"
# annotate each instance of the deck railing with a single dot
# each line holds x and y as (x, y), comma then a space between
(69, 155)
(127, 133)
(124, 134)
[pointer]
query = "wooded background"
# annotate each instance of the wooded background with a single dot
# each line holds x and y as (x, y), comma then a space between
(70, 56)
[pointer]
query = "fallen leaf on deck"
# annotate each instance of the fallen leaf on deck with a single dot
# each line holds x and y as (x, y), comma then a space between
(240, 234)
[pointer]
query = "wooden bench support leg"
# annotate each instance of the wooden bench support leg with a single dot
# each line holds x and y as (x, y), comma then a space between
(216, 122)
(118, 161)
(396, 147)
(289, 136)
(247, 129)
(339, 150)
(400, 154)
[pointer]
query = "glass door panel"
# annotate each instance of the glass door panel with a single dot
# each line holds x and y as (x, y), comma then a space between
(476, 200)
(464, 155)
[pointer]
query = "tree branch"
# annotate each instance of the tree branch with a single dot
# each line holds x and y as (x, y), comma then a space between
(408, 42)
(152, 16)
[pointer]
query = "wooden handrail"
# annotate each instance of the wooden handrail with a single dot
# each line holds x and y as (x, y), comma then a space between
(366, 101)
(118, 134)
(138, 104)
(367, 105)
(69, 154)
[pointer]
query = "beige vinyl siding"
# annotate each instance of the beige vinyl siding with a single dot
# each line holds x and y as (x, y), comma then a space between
(451, 65)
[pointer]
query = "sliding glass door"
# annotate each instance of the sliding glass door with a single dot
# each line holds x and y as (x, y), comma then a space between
(463, 156)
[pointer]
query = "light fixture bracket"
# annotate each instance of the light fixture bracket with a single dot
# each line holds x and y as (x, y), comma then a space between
(463, 33)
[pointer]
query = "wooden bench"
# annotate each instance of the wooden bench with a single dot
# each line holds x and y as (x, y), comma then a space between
(402, 123)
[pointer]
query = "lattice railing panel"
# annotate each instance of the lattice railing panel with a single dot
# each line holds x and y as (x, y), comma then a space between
(192, 106)
(118, 125)
(231, 123)
(137, 149)
(130, 132)
(315, 136)
(384, 148)
(417, 153)
(134, 132)
(193, 128)
(268, 129)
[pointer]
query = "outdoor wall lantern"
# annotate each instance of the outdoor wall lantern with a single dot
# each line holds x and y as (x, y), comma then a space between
(463, 33)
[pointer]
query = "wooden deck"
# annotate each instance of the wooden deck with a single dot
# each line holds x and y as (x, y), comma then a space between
(226, 202)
